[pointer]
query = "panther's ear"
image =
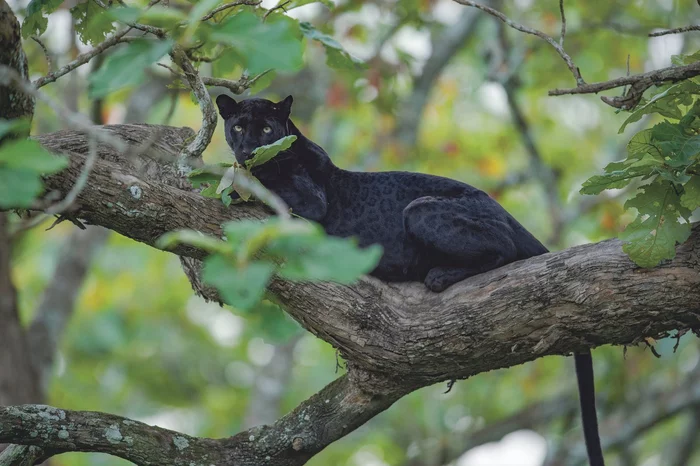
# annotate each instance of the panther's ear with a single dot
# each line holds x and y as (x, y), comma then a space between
(284, 107)
(227, 106)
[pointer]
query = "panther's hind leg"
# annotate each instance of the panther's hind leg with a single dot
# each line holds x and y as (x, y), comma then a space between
(461, 242)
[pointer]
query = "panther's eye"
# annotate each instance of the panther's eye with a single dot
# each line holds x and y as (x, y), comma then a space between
(267, 129)
(238, 128)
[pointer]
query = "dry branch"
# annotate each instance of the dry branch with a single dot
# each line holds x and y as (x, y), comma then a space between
(638, 84)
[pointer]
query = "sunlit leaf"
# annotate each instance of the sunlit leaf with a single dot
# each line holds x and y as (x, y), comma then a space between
(265, 153)
(241, 287)
(691, 195)
(35, 22)
(90, 23)
(263, 45)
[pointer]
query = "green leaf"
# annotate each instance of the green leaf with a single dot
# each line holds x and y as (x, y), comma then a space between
(691, 195)
(126, 66)
(665, 102)
(35, 22)
(193, 238)
(613, 180)
(18, 187)
(653, 235)
(31, 156)
(16, 127)
(327, 258)
(676, 143)
(265, 153)
(271, 44)
(90, 23)
(643, 143)
(336, 56)
(226, 180)
(241, 287)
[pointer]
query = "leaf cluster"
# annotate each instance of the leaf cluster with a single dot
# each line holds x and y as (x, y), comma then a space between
(241, 265)
(667, 157)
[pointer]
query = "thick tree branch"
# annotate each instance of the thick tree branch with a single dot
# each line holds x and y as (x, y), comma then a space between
(338, 409)
(402, 329)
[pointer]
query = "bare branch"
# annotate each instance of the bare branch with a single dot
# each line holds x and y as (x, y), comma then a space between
(692, 27)
(527, 30)
(209, 119)
(49, 61)
(639, 83)
(226, 6)
(236, 87)
(81, 59)
(563, 23)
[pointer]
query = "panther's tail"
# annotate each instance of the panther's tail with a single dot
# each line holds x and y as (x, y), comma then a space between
(586, 390)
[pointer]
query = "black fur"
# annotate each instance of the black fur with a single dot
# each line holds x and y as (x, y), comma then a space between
(433, 229)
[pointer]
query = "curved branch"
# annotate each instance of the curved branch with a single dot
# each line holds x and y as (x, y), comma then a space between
(422, 338)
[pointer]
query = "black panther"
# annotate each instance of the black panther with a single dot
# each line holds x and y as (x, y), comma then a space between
(432, 229)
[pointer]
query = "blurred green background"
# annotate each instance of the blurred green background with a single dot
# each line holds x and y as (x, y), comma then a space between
(141, 345)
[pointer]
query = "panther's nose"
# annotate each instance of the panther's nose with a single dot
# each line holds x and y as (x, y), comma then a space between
(245, 153)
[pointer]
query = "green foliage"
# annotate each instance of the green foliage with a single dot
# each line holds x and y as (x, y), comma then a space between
(336, 55)
(241, 266)
(262, 45)
(668, 155)
(89, 25)
(35, 22)
(126, 67)
(653, 235)
(266, 153)
(21, 165)
(223, 178)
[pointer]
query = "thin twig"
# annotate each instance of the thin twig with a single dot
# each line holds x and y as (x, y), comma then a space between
(563, 23)
(49, 61)
(281, 6)
(226, 6)
(82, 59)
(692, 27)
(527, 30)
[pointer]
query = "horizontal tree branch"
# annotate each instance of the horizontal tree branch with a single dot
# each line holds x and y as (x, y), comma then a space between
(552, 304)
(338, 409)
(692, 27)
(639, 83)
